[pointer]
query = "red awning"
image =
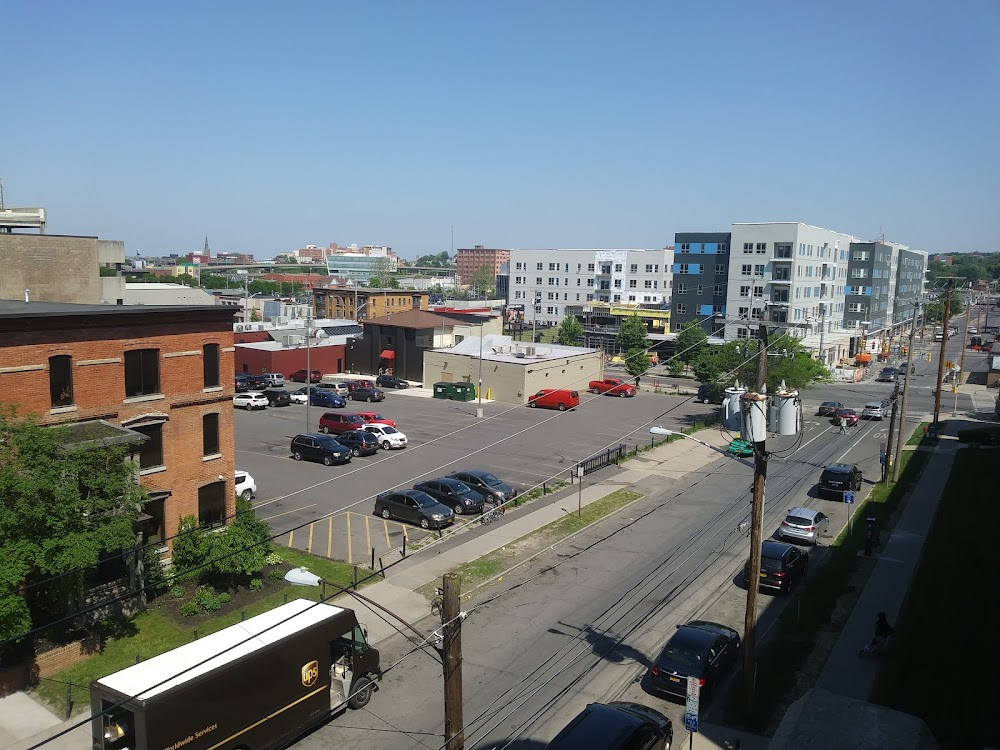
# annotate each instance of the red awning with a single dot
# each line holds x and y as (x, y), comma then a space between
(387, 354)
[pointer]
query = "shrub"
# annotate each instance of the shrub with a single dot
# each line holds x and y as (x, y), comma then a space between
(275, 574)
(256, 584)
(224, 597)
(273, 558)
(154, 577)
(189, 609)
(192, 549)
(241, 548)
(177, 592)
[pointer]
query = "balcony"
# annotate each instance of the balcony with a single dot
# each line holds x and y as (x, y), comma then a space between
(781, 276)
(781, 253)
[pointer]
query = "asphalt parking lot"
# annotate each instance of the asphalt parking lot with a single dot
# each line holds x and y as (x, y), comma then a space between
(522, 446)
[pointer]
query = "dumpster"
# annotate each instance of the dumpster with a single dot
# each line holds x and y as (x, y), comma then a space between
(444, 390)
(463, 391)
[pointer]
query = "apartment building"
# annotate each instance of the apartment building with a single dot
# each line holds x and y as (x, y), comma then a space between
(361, 303)
(700, 280)
(911, 280)
(470, 260)
(163, 372)
(871, 282)
(549, 281)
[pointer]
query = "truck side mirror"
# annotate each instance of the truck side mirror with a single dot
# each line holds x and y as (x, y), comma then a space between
(364, 631)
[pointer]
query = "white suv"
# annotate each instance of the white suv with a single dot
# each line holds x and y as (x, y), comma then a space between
(388, 437)
(873, 410)
(250, 401)
(246, 488)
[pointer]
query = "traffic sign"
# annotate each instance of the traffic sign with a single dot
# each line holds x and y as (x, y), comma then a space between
(691, 722)
(949, 365)
(849, 497)
(693, 695)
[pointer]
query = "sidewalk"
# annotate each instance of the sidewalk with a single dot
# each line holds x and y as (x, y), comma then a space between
(844, 673)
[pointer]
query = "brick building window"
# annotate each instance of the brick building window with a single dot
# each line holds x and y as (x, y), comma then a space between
(211, 503)
(152, 517)
(210, 362)
(142, 372)
(61, 380)
(151, 452)
(210, 434)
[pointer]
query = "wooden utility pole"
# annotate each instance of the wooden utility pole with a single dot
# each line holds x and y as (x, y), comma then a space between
(756, 531)
(892, 432)
(968, 320)
(454, 731)
(944, 340)
(906, 392)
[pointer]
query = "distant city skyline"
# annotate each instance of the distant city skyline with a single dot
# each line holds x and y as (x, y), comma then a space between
(521, 125)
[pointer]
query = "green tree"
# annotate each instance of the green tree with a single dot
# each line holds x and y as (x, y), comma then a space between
(484, 282)
(192, 548)
(690, 342)
(570, 332)
(240, 549)
(632, 343)
(66, 500)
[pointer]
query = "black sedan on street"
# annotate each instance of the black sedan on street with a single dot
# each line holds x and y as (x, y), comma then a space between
(457, 495)
(701, 649)
(360, 442)
(367, 394)
(829, 408)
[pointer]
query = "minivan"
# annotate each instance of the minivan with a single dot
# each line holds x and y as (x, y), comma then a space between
(337, 387)
(340, 422)
(550, 398)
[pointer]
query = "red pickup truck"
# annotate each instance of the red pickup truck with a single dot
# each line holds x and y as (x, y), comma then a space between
(612, 387)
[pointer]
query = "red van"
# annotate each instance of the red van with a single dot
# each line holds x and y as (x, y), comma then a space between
(338, 422)
(550, 398)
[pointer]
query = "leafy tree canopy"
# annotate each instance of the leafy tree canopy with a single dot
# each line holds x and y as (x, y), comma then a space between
(484, 282)
(737, 360)
(438, 260)
(62, 505)
(570, 332)
(631, 333)
(689, 342)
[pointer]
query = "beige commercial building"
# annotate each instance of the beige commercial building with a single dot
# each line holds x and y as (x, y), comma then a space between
(511, 370)
(61, 268)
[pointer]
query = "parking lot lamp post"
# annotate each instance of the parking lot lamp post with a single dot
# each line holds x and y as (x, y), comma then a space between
(308, 366)
(479, 410)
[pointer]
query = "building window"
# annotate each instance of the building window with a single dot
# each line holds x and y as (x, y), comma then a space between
(590, 266)
(745, 291)
(683, 268)
(210, 434)
(618, 267)
(758, 291)
(618, 283)
(746, 269)
(761, 247)
(538, 280)
(210, 357)
(716, 309)
(633, 268)
(758, 270)
(648, 283)
(538, 266)
(681, 289)
(632, 283)
(701, 288)
(151, 451)
(723, 248)
(748, 247)
(685, 247)
(720, 289)
(142, 372)
(742, 333)
(212, 503)
(720, 269)
(61, 380)
(152, 525)
(681, 309)
(553, 266)
(649, 268)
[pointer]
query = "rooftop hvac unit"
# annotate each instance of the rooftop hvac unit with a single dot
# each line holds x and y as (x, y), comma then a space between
(529, 351)
(260, 327)
(293, 340)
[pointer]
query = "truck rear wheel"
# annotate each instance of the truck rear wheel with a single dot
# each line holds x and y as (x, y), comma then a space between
(361, 693)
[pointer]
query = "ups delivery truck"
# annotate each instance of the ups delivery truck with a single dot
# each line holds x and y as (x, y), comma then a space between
(256, 685)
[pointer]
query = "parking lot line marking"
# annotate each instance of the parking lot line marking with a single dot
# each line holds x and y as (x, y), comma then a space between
(368, 532)
(329, 538)
(293, 510)
(388, 544)
(309, 545)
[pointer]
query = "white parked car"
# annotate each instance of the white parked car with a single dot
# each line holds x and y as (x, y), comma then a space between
(246, 488)
(874, 410)
(973, 330)
(300, 396)
(250, 401)
(388, 437)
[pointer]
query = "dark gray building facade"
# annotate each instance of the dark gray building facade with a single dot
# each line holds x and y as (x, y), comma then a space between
(700, 272)
(911, 270)
(867, 291)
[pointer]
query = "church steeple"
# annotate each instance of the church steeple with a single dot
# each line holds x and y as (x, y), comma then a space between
(207, 251)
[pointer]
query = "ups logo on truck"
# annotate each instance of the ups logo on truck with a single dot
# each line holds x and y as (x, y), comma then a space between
(310, 673)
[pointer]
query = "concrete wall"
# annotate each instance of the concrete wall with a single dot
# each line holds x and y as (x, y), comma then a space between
(162, 294)
(110, 252)
(513, 382)
(55, 268)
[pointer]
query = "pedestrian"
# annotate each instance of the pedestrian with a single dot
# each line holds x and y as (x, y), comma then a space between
(843, 426)
(637, 382)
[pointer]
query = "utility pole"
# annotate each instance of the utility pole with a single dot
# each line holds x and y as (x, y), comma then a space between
(944, 340)
(751, 400)
(906, 392)
(309, 385)
(968, 318)
(454, 731)
(892, 432)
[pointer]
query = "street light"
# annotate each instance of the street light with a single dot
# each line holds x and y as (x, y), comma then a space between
(664, 432)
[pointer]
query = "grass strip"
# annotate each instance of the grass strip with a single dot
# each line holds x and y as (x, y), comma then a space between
(917, 438)
(153, 633)
(950, 617)
(782, 657)
(492, 564)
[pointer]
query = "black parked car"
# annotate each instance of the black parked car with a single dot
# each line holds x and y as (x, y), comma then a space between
(353, 385)
(781, 566)
(367, 394)
(457, 495)
(615, 726)
(277, 397)
(257, 382)
(486, 485)
(837, 479)
(711, 393)
(390, 381)
(360, 442)
(318, 447)
(242, 383)
(705, 650)
(414, 506)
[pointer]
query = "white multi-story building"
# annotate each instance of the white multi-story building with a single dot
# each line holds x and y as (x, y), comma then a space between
(793, 275)
(574, 277)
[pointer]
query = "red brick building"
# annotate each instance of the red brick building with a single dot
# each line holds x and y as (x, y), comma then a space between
(470, 260)
(165, 372)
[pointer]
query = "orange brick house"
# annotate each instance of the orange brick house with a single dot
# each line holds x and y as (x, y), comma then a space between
(165, 372)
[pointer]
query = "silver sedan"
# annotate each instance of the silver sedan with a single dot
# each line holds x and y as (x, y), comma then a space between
(804, 525)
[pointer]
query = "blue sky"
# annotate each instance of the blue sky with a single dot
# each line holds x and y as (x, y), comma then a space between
(268, 126)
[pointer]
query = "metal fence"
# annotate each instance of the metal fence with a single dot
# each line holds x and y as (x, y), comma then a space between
(605, 458)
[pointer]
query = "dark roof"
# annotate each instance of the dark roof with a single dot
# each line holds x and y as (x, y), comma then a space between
(415, 319)
(344, 330)
(97, 433)
(20, 309)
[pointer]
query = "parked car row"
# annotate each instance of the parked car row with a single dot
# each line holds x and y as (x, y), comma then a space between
(434, 503)
(837, 411)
